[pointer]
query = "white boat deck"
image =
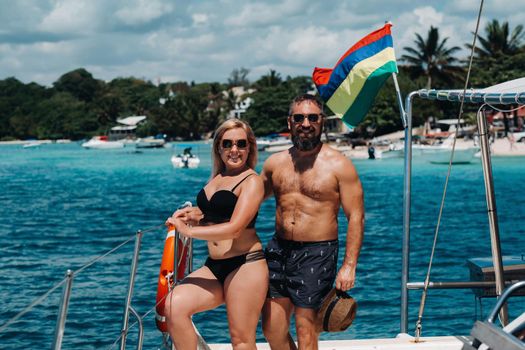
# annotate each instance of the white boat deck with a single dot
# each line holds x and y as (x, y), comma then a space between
(401, 342)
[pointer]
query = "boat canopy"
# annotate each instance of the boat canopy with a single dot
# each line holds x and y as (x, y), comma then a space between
(131, 121)
(509, 92)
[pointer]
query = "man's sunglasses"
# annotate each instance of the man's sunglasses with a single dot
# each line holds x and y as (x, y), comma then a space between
(242, 143)
(312, 118)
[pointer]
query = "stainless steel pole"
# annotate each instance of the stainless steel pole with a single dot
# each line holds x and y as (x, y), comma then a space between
(491, 210)
(400, 101)
(176, 261)
(190, 255)
(141, 328)
(133, 272)
(406, 215)
(62, 312)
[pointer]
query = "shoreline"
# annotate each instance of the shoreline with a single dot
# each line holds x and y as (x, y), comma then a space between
(501, 147)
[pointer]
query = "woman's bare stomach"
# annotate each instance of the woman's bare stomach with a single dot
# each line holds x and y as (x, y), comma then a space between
(247, 242)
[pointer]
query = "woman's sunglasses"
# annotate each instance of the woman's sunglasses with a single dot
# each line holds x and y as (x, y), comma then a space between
(242, 143)
(312, 118)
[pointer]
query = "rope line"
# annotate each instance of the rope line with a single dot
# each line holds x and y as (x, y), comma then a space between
(505, 110)
(32, 305)
(419, 325)
(142, 317)
(76, 272)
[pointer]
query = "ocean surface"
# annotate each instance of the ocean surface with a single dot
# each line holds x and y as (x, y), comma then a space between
(62, 206)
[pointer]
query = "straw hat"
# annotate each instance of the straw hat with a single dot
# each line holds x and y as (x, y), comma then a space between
(337, 312)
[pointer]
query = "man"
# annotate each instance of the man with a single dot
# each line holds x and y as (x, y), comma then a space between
(310, 181)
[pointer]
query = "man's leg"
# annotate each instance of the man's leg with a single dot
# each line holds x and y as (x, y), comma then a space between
(307, 336)
(276, 323)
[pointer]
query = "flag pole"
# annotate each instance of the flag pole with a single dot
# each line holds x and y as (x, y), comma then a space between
(399, 97)
(400, 102)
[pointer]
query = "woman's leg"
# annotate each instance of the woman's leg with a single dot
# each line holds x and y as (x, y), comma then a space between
(200, 291)
(244, 293)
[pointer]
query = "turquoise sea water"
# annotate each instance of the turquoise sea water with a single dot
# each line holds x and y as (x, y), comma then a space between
(62, 206)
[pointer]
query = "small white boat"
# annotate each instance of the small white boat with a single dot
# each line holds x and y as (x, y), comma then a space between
(185, 161)
(150, 142)
(102, 142)
(32, 144)
(273, 144)
(442, 155)
(436, 154)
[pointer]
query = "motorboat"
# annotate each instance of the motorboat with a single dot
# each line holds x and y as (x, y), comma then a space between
(273, 143)
(185, 161)
(32, 144)
(102, 142)
(150, 142)
(464, 152)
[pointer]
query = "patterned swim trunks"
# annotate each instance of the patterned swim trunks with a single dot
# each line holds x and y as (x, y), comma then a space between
(302, 271)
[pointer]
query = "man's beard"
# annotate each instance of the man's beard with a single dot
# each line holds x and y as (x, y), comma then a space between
(305, 143)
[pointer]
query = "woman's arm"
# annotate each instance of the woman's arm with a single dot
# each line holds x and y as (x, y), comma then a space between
(250, 198)
(189, 215)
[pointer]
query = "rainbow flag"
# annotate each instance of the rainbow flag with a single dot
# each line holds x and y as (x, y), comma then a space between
(349, 89)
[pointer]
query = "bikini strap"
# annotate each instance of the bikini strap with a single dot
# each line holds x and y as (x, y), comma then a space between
(240, 182)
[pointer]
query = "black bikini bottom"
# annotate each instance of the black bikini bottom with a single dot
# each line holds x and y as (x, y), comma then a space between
(221, 268)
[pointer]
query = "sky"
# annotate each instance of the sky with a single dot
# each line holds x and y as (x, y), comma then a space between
(204, 41)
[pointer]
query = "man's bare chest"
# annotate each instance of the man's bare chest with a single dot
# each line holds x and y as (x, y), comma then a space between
(313, 183)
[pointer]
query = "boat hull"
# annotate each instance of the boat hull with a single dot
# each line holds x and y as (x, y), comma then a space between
(185, 162)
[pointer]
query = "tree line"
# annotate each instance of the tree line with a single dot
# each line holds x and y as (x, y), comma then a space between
(78, 105)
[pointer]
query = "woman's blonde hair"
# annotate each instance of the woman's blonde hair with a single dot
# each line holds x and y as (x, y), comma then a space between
(218, 164)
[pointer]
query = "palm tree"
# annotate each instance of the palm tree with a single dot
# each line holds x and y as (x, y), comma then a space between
(497, 40)
(272, 79)
(432, 58)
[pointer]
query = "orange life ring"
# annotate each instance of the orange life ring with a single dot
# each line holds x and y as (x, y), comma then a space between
(167, 278)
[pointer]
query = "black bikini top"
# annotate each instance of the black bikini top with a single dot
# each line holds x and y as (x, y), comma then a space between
(219, 208)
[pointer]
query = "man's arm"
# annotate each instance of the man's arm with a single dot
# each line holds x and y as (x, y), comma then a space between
(351, 195)
(266, 176)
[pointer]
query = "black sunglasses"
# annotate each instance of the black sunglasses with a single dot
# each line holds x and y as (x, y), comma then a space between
(242, 143)
(299, 118)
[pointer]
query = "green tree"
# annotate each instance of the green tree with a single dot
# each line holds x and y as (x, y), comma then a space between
(79, 83)
(239, 77)
(432, 59)
(272, 99)
(18, 106)
(271, 79)
(499, 40)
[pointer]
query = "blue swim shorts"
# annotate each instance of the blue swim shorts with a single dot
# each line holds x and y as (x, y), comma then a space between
(302, 271)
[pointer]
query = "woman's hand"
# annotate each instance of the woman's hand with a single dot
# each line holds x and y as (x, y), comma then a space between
(189, 215)
(180, 225)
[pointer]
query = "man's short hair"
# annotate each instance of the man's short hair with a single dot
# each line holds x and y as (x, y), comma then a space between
(303, 98)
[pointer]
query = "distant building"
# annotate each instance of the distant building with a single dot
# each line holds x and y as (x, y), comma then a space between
(241, 103)
(127, 128)
(240, 108)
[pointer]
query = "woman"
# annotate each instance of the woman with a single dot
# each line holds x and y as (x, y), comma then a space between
(235, 272)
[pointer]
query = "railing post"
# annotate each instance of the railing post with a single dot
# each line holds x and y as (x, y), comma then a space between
(141, 328)
(62, 312)
(405, 263)
(190, 255)
(134, 263)
(491, 211)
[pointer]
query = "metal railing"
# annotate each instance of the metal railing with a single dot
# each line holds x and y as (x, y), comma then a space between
(67, 283)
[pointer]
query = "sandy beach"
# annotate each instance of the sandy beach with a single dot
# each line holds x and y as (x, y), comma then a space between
(501, 147)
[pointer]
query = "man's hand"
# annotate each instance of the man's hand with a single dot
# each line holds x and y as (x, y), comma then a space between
(345, 278)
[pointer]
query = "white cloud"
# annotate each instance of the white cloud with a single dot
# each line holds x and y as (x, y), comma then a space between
(263, 13)
(199, 19)
(206, 40)
(143, 11)
(69, 16)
